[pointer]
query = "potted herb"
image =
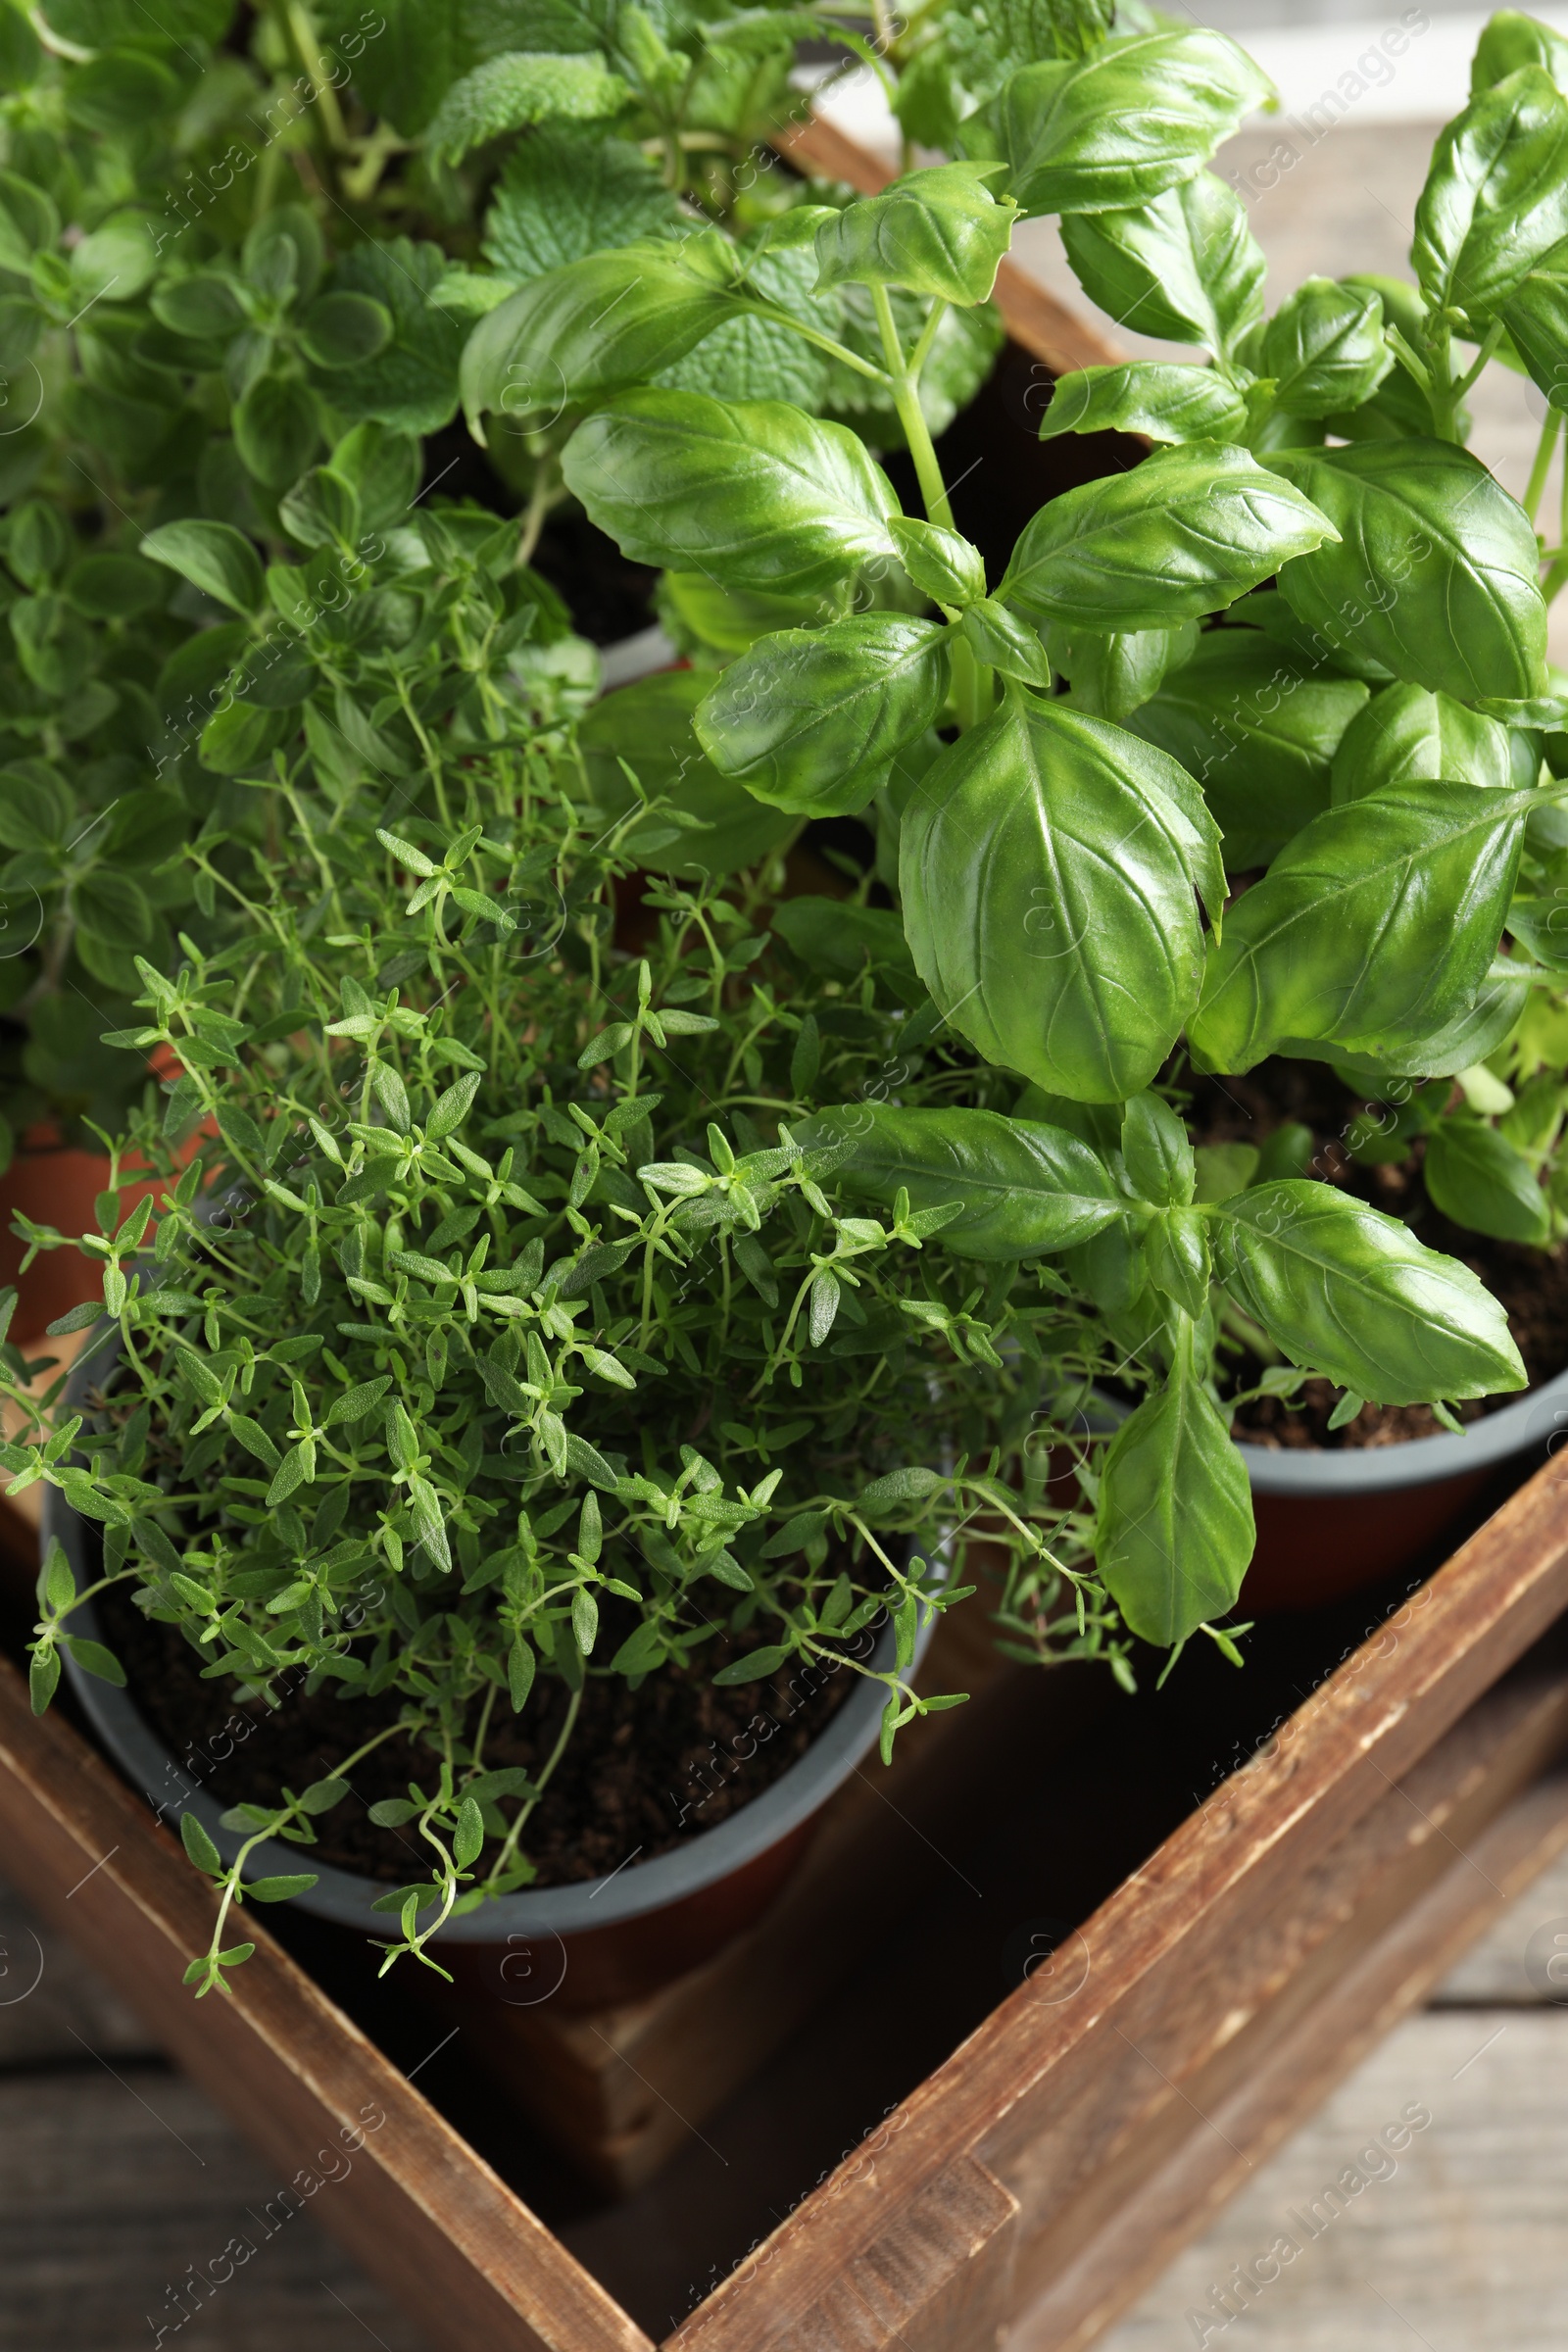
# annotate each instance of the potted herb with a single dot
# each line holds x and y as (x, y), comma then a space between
(503, 1365)
(1382, 916)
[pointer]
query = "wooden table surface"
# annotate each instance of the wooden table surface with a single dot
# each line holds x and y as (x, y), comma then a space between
(117, 2178)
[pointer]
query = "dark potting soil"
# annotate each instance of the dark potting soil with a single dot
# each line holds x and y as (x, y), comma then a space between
(1530, 1285)
(645, 1770)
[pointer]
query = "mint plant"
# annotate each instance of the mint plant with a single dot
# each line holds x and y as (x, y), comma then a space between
(1360, 744)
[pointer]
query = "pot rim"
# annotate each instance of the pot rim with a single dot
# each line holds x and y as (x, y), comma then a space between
(624, 1893)
(1534, 1419)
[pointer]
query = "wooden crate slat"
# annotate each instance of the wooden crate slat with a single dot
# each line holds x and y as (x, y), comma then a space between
(1291, 2081)
(417, 2206)
(1227, 1868)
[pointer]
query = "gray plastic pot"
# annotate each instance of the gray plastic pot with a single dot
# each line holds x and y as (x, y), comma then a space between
(1331, 1520)
(603, 1939)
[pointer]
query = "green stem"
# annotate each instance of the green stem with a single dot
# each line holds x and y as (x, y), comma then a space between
(838, 351)
(1537, 485)
(907, 401)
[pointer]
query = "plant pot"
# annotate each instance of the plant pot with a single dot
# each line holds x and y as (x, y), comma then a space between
(603, 1939)
(53, 1184)
(1328, 1522)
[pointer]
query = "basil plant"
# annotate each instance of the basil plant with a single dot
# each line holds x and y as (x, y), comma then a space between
(1241, 756)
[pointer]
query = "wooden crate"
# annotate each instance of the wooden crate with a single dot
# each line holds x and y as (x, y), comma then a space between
(1054, 2160)
(1048, 2168)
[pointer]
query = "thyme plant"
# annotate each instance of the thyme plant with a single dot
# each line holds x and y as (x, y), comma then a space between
(503, 1330)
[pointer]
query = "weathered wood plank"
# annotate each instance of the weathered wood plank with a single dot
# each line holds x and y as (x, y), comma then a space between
(1455, 2241)
(51, 2001)
(418, 2206)
(1234, 1866)
(128, 2207)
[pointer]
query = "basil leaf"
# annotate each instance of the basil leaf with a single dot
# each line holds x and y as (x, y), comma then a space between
(1159, 1158)
(597, 325)
(1353, 1293)
(942, 565)
(1114, 671)
(1495, 198)
(813, 719)
(1257, 729)
(1491, 1017)
(1186, 267)
(1185, 533)
(1408, 735)
(1373, 928)
(1163, 399)
(1024, 1186)
(1434, 570)
(1120, 125)
(1509, 40)
(1325, 349)
(1174, 1529)
(1266, 611)
(648, 727)
(828, 935)
(1476, 1177)
(1536, 316)
(939, 232)
(763, 494)
(1002, 641)
(1048, 898)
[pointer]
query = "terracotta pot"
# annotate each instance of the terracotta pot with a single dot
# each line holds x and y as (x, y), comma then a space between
(1328, 1522)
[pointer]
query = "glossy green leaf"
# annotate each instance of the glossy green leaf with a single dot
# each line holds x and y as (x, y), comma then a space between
(1376, 925)
(1477, 1178)
(760, 493)
(1113, 672)
(597, 326)
(1174, 1527)
(1473, 1033)
(1325, 349)
(1175, 1253)
(1047, 870)
(1158, 1155)
(811, 719)
(939, 232)
(1122, 124)
(1408, 735)
(1186, 267)
(1352, 1293)
(213, 557)
(1267, 611)
(942, 565)
(1258, 729)
(1536, 316)
(1185, 533)
(648, 727)
(1434, 571)
(829, 935)
(1164, 401)
(1000, 640)
(1510, 40)
(1024, 1188)
(1496, 199)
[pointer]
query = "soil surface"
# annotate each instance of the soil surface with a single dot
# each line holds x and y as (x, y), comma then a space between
(644, 1771)
(1530, 1285)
